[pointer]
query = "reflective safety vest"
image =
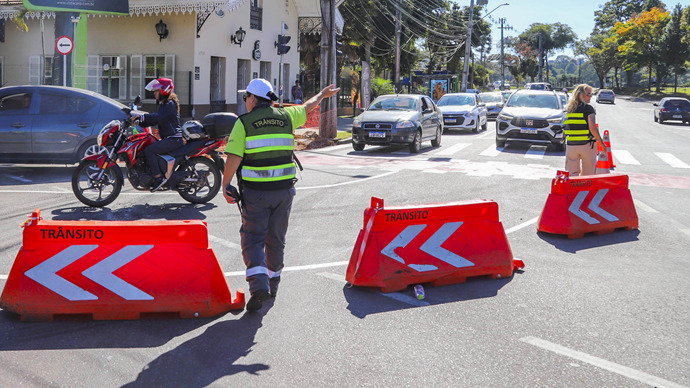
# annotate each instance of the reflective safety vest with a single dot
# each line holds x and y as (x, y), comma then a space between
(577, 129)
(268, 156)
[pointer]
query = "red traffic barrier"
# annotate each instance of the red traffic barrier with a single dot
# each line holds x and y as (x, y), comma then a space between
(116, 270)
(590, 203)
(438, 244)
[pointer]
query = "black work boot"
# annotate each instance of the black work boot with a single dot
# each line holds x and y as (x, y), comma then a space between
(273, 284)
(257, 300)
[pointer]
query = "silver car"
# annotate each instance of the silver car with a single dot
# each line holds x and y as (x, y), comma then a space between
(52, 124)
(463, 111)
(532, 116)
(494, 103)
(398, 119)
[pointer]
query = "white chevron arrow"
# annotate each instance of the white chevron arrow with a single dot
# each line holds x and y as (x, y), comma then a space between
(432, 246)
(45, 273)
(593, 206)
(102, 272)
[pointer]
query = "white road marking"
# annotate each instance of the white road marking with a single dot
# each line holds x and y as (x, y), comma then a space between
(686, 231)
(535, 152)
(3, 277)
(346, 183)
(492, 151)
(70, 193)
(225, 243)
(452, 149)
(487, 134)
(400, 297)
(601, 363)
(625, 157)
(523, 225)
(434, 171)
(338, 147)
(644, 206)
(671, 160)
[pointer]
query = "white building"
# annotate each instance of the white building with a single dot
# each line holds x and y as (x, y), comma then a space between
(198, 53)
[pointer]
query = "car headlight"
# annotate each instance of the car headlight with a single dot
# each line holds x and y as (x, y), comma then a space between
(405, 124)
(357, 124)
(555, 120)
(469, 114)
(505, 117)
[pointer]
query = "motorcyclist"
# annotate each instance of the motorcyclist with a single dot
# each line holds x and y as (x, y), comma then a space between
(169, 128)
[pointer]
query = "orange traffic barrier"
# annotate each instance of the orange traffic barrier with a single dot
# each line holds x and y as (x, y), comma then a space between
(438, 244)
(603, 162)
(607, 143)
(116, 270)
(590, 203)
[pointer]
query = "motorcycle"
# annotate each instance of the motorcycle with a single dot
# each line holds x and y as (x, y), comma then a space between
(194, 170)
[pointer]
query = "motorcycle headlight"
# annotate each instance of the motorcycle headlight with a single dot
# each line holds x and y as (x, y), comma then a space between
(505, 117)
(555, 120)
(405, 124)
(99, 139)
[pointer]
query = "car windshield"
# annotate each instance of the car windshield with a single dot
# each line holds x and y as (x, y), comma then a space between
(491, 97)
(394, 103)
(455, 100)
(677, 104)
(533, 101)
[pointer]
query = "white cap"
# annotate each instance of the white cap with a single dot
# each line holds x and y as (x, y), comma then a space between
(259, 87)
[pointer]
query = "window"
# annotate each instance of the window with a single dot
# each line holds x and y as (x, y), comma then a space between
(256, 14)
(35, 70)
(113, 81)
(155, 66)
(265, 70)
(15, 104)
(64, 104)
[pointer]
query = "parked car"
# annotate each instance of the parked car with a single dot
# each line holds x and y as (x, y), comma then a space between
(606, 95)
(538, 86)
(533, 116)
(564, 99)
(463, 111)
(494, 103)
(672, 108)
(398, 119)
(52, 124)
(506, 94)
(476, 91)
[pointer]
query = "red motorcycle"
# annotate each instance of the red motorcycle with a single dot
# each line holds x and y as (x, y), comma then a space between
(194, 170)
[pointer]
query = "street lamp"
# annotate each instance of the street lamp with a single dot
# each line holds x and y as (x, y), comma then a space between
(489, 13)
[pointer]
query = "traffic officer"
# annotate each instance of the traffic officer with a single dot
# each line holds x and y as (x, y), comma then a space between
(260, 150)
(581, 133)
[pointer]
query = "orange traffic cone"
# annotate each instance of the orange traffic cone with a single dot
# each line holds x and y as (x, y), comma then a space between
(607, 143)
(603, 166)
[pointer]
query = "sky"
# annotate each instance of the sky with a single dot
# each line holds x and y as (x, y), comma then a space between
(519, 14)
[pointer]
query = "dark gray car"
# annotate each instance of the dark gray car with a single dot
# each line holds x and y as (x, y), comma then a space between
(52, 124)
(398, 119)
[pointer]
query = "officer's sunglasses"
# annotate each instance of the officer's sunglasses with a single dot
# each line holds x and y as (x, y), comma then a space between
(246, 96)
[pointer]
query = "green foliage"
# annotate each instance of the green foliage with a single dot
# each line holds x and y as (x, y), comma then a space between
(380, 86)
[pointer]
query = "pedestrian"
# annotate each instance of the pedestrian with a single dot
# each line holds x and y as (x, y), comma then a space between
(169, 127)
(297, 93)
(565, 90)
(581, 133)
(260, 150)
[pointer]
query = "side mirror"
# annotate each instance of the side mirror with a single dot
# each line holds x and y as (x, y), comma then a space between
(137, 101)
(655, 104)
(427, 110)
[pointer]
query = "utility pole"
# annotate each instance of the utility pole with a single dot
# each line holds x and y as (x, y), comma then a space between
(468, 50)
(541, 56)
(503, 73)
(396, 76)
(328, 123)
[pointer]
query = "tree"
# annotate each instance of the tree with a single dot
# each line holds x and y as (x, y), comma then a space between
(615, 11)
(601, 53)
(553, 37)
(674, 50)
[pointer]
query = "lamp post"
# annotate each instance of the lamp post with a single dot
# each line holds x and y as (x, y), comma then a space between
(468, 45)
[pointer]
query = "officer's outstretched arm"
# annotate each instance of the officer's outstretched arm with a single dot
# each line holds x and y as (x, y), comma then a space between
(326, 92)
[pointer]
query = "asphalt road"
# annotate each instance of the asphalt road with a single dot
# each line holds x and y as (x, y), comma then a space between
(606, 311)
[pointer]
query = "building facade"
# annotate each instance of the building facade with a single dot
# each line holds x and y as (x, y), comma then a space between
(210, 49)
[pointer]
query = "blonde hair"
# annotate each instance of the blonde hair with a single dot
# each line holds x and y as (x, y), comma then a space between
(578, 97)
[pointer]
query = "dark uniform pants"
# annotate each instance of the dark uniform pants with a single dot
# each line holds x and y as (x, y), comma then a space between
(163, 146)
(264, 225)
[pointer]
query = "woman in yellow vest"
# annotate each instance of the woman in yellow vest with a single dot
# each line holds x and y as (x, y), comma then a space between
(581, 133)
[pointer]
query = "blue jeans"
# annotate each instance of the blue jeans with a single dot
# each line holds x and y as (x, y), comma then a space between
(164, 146)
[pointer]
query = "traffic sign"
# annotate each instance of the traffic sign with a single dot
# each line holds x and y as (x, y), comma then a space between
(64, 45)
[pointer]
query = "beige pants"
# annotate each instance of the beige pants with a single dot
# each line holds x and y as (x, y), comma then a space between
(574, 154)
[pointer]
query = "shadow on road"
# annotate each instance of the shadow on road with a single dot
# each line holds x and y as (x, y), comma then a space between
(207, 357)
(22, 175)
(589, 241)
(180, 211)
(363, 301)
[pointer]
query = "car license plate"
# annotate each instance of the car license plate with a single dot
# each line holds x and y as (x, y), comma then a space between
(528, 130)
(450, 120)
(677, 116)
(377, 134)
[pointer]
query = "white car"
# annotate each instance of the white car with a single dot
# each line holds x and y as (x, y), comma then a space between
(463, 111)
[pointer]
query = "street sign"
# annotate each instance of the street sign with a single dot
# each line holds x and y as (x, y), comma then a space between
(64, 45)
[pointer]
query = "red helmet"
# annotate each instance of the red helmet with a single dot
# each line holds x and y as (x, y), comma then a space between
(165, 85)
